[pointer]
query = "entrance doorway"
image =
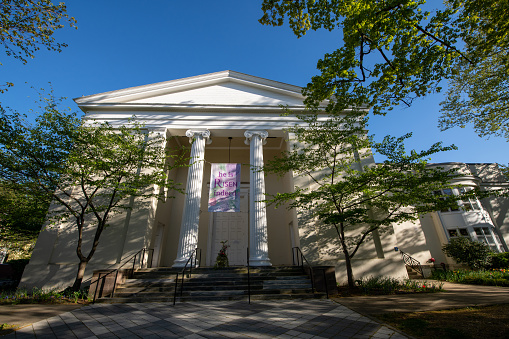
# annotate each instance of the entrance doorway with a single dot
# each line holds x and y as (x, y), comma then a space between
(233, 227)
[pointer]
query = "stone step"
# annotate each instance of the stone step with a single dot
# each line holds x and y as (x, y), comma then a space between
(217, 281)
(185, 293)
(159, 275)
(158, 284)
(192, 286)
(169, 299)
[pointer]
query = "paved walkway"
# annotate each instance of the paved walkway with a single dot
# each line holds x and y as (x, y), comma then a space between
(261, 319)
(348, 318)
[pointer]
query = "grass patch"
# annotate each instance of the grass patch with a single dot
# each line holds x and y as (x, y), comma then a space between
(39, 296)
(494, 277)
(469, 322)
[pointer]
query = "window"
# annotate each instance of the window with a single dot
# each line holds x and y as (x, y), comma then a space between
(463, 232)
(443, 192)
(469, 204)
(485, 235)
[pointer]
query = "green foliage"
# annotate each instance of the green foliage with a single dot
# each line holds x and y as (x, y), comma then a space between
(21, 218)
(393, 52)
(388, 285)
(22, 210)
(465, 251)
(28, 25)
(478, 90)
(482, 277)
(89, 169)
(345, 194)
(500, 260)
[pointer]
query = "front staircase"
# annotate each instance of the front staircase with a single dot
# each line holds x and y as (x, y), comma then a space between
(208, 284)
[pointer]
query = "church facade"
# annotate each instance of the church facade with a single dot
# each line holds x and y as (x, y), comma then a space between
(236, 118)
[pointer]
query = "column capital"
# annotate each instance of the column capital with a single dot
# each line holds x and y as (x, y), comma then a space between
(250, 133)
(204, 133)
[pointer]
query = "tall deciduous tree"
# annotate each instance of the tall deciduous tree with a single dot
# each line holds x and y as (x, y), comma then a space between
(478, 91)
(90, 170)
(356, 200)
(395, 51)
(391, 51)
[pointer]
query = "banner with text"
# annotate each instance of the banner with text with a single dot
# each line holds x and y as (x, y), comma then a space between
(224, 195)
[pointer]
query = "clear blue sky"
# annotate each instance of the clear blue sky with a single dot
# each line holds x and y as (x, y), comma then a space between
(120, 44)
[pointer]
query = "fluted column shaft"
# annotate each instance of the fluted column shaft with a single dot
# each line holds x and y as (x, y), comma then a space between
(191, 215)
(258, 245)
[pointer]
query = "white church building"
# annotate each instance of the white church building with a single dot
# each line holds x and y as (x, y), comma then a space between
(236, 118)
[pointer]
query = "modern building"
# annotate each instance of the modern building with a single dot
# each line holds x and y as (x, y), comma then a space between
(236, 118)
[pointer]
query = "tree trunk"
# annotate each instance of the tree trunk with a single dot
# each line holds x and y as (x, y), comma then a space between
(349, 272)
(79, 277)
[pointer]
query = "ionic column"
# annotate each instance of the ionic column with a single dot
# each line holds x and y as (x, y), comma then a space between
(191, 215)
(258, 246)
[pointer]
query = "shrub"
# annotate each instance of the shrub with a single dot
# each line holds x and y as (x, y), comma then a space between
(388, 285)
(472, 253)
(500, 260)
(36, 295)
(498, 277)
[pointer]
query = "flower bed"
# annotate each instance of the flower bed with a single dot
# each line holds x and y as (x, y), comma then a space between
(494, 277)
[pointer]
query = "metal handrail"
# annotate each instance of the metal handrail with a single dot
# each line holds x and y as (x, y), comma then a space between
(413, 263)
(116, 270)
(248, 279)
(295, 255)
(197, 263)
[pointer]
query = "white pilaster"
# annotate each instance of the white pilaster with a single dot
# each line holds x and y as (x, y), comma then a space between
(258, 246)
(191, 215)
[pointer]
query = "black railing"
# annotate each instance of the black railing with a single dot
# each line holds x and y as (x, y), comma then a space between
(197, 260)
(411, 262)
(101, 279)
(248, 279)
(300, 260)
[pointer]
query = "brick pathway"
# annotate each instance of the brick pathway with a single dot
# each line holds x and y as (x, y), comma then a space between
(261, 319)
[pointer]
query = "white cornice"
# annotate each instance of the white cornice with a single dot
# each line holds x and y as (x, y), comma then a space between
(189, 83)
(179, 107)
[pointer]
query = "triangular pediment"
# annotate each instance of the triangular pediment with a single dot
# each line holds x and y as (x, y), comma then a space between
(221, 89)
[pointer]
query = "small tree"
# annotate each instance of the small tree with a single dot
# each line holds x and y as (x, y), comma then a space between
(472, 253)
(356, 200)
(89, 169)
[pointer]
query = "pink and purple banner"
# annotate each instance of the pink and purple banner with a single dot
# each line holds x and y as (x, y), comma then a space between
(224, 194)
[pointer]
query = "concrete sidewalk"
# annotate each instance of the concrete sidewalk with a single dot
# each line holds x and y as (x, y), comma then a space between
(227, 319)
(343, 318)
(454, 296)
(26, 314)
